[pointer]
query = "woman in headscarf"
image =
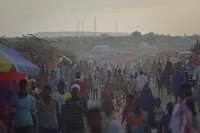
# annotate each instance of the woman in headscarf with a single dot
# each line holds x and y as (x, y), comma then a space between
(148, 103)
(166, 76)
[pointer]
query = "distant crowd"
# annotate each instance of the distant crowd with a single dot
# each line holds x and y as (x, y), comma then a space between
(57, 101)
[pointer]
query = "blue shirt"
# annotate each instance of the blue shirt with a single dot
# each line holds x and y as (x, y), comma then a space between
(47, 115)
(23, 108)
(178, 80)
(53, 84)
(112, 126)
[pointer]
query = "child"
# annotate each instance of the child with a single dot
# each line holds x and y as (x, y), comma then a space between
(166, 118)
(112, 125)
(118, 95)
(132, 83)
(137, 119)
(158, 114)
(105, 92)
(127, 109)
(112, 97)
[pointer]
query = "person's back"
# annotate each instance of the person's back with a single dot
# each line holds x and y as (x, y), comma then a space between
(166, 118)
(78, 81)
(95, 121)
(127, 109)
(112, 126)
(184, 116)
(132, 83)
(137, 119)
(140, 81)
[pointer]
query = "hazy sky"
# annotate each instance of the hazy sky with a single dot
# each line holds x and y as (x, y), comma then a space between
(175, 17)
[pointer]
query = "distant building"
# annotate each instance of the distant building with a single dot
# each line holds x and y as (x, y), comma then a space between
(103, 50)
(144, 45)
(185, 41)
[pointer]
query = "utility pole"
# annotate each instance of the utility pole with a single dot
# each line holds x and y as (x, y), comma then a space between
(95, 26)
(78, 29)
(82, 26)
(116, 28)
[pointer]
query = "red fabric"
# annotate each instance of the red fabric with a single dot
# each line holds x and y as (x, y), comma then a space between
(153, 67)
(82, 85)
(6, 112)
(105, 92)
(136, 94)
(127, 109)
(12, 75)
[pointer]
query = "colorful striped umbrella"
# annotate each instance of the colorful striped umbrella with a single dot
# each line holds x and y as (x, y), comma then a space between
(13, 66)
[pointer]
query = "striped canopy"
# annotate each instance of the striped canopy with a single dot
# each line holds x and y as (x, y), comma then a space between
(10, 59)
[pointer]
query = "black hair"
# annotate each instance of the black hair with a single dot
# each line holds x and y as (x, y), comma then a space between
(62, 83)
(22, 83)
(119, 71)
(108, 106)
(94, 119)
(47, 87)
(131, 76)
(158, 99)
(78, 75)
(130, 96)
(170, 107)
(141, 72)
(185, 91)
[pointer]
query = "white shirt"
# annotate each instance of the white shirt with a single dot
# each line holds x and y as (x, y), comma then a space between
(140, 82)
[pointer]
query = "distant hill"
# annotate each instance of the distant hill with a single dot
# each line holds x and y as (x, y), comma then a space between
(139, 44)
(76, 34)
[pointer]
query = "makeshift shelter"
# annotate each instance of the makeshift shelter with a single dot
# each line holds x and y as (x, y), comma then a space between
(102, 50)
(13, 66)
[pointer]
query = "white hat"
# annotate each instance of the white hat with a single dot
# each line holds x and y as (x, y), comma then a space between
(75, 86)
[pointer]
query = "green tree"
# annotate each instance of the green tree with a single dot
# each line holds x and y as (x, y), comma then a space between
(41, 51)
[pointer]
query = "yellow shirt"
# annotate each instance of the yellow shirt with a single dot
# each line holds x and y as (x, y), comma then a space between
(118, 95)
(61, 98)
(115, 104)
(37, 91)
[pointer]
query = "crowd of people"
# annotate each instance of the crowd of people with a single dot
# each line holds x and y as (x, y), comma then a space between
(57, 102)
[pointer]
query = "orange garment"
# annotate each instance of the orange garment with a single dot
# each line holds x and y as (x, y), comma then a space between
(135, 121)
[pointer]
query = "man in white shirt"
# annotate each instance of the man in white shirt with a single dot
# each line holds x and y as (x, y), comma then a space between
(140, 81)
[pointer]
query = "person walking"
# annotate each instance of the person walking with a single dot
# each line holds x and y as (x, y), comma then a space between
(48, 112)
(140, 81)
(23, 110)
(73, 112)
(137, 119)
(112, 126)
(127, 109)
(184, 116)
